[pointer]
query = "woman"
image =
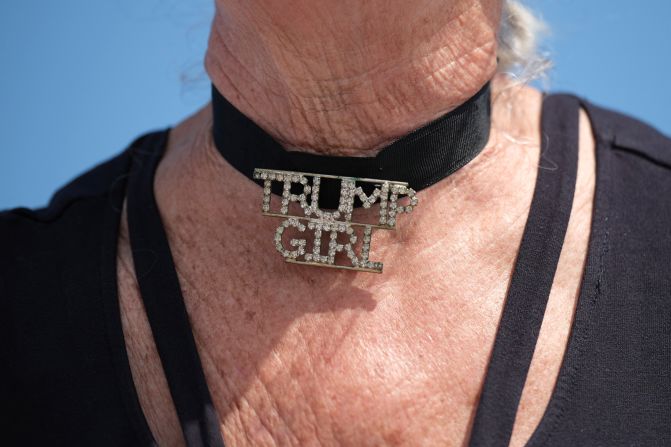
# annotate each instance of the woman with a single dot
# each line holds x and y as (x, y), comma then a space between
(524, 300)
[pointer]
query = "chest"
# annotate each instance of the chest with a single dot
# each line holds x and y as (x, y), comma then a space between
(354, 362)
(376, 373)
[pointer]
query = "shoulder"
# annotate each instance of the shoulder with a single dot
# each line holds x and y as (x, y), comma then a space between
(52, 299)
(634, 171)
(48, 254)
(627, 134)
(37, 244)
(632, 206)
(28, 236)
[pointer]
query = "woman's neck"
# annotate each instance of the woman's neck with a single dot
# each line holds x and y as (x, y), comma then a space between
(327, 78)
(197, 189)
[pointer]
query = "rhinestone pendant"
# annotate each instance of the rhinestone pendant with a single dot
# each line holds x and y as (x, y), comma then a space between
(332, 225)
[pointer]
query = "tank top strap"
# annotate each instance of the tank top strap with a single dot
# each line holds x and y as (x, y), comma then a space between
(533, 274)
(165, 308)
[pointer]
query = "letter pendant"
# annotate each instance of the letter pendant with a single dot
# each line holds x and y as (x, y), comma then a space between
(334, 224)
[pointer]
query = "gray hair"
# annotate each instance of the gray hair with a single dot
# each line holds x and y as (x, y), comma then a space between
(518, 42)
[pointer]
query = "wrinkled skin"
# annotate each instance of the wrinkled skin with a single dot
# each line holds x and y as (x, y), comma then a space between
(349, 76)
(295, 355)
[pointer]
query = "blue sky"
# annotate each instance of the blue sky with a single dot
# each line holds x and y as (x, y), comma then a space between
(80, 79)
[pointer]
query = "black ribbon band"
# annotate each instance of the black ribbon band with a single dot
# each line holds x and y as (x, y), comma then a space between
(420, 158)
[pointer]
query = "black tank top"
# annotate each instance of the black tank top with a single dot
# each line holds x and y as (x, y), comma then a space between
(65, 377)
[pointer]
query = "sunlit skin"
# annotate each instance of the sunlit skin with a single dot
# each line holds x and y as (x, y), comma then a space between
(347, 76)
(297, 355)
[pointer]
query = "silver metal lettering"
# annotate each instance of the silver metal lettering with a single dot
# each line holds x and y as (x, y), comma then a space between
(333, 223)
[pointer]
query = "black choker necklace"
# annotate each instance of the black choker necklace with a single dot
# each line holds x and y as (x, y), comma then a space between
(316, 183)
(420, 158)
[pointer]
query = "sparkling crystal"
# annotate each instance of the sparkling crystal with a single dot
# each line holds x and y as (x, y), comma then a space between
(333, 222)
